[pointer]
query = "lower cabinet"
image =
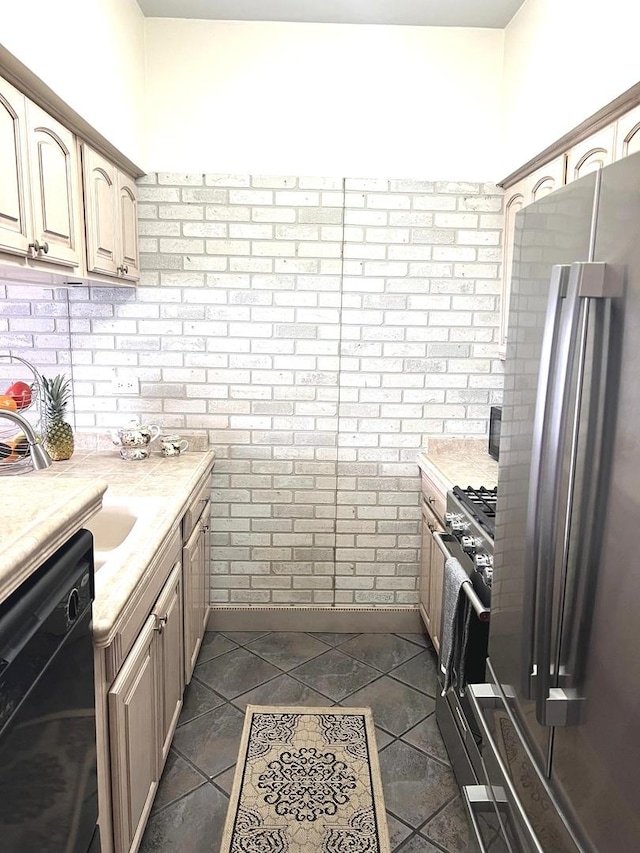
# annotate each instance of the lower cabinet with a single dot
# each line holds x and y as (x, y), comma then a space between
(436, 586)
(134, 728)
(141, 668)
(431, 576)
(168, 614)
(195, 561)
(144, 703)
(431, 557)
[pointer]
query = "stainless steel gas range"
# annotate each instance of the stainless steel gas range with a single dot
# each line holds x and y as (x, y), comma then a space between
(470, 525)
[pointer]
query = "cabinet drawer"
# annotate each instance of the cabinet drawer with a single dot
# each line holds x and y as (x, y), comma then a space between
(142, 603)
(433, 497)
(197, 505)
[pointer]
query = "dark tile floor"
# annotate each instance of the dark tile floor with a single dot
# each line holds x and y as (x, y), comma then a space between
(394, 674)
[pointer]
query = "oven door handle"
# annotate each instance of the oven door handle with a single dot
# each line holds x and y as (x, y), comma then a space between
(482, 611)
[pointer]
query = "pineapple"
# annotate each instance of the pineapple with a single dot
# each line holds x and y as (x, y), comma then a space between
(58, 436)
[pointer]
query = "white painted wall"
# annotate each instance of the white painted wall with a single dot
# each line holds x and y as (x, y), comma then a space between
(91, 53)
(323, 99)
(563, 62)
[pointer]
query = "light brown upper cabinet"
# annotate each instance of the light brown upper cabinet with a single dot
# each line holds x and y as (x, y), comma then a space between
(628, 134)
(110, 218)
(39, 192)
(543, 181)
(14, 202)
(593, 153)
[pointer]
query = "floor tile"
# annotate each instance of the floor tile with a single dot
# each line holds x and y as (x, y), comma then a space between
(420, 639)
(211, 741)
(193, 823)
(283, 690)
(426, 736)
(235, 673)
(417, 844)
(178, 778)
(382, 738)
(333, 638)
(225, 780)
(450, 829)
(415, 786)
(198, 699)
(396, 707)
(384, 651)
(398, 831)
(244, 637)
(213, 645)
(334, 674)
(420, 672)
(287, 649)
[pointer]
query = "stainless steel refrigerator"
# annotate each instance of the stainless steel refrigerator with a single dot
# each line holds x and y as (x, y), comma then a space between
(560, 714)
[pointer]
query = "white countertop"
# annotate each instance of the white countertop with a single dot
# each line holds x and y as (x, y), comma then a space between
(41, 510)
(459, 462)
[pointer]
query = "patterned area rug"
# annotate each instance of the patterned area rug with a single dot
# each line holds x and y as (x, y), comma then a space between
(307, 781)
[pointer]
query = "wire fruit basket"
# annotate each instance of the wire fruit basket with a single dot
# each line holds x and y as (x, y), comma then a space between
(14, 450)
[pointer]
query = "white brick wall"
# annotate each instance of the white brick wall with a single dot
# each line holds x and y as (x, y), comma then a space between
(319, 331)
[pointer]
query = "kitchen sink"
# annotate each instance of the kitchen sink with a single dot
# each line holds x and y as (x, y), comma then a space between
(116, 522)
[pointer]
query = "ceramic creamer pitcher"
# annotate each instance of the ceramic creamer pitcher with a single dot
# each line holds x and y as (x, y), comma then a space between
(135, 434)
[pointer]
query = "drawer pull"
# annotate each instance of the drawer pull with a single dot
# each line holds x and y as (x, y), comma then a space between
(161, 621)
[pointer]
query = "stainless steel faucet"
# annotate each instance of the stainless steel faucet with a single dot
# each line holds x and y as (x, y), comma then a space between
(39, 456)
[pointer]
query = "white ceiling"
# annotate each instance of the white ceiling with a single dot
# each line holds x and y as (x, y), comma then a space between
(429, 13)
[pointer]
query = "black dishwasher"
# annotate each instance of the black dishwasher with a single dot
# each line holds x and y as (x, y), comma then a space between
(48, 782)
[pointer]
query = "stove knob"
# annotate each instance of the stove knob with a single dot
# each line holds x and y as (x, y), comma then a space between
(470, 544)
(450, 517)
(481, 561)
(460, 526)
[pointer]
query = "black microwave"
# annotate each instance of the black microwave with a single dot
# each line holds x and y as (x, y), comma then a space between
(495, 420)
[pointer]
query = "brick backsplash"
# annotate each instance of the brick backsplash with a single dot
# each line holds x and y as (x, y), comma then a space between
(318, 331)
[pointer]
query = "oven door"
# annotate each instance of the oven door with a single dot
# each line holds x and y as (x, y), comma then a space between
(459, 729)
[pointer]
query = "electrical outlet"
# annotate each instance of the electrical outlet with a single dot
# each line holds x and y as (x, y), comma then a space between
(131, 385)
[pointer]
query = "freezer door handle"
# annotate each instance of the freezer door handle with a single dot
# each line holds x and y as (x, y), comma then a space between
(481, 800)
(487, 698)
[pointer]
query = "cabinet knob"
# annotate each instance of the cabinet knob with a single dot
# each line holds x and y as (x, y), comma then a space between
(125, 269)
(161, 621)
(35, 246)
(431, 499)
(44, 247)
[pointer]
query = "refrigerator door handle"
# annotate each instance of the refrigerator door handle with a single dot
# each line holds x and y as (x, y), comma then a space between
(548, 361)
(562, 705)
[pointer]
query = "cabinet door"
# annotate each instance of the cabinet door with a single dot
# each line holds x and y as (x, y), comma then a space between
(514, 202)
(437, 588)
(55, 201)
(128, 225)
(169, 626)
(101, 209)
(195, 561)
(14, 200)
(591, 154)
(133, 725)
(628, 134)
(545, 180)
(425, 570)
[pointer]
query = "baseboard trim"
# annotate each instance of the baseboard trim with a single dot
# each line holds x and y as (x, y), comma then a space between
(341, 620)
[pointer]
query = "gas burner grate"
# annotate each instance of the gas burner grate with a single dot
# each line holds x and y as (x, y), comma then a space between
(480, 503)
